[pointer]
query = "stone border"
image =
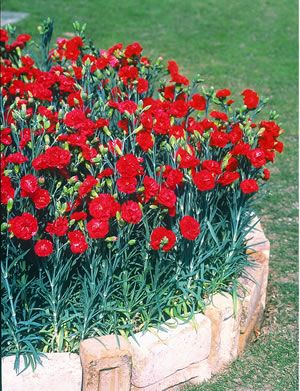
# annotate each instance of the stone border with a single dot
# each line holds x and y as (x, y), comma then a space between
(184, 353)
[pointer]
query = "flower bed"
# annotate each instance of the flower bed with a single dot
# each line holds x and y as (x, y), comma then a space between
(127, 191)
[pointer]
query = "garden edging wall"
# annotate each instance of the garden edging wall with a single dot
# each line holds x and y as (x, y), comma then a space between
(185, 353)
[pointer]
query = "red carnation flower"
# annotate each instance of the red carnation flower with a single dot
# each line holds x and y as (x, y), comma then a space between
(266, 175)
(212, 166)
(58, 227)
(144, 140)
(174, 177)
(16, 158)
(219, 115)
(228, 177)
(127, 105)
(43, 248)
(131, 212)
(77, 242)
(77, 216)
(251, 99)
(189, 227)
(127, 185)
(232, 164)
(6, 190)
(204, 180)
(87, 185)
(142, 85)
(166, 197)
(218, 139)
(24, 226)
(198, 102)
(103, 207)
(129, 166)
(162, 239)
(257, 157)
(151, 188)
(222, 94)
(249, 186)
(97, 229)
(134, 49)
(29, 184)
(41, 198)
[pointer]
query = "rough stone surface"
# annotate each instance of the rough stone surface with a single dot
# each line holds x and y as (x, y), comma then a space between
(162, 359)
(106, 364)
(60, 372)
(252, 327)
(251, 292)
(225, 330)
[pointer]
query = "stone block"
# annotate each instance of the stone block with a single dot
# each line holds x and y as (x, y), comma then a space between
(225, 330)
(59, 372)
(106, 364)
(162, 359)
(251, 292)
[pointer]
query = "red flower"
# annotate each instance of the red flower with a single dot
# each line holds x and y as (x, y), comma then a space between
(174, 177)
(24, 226)
(127, 185)
(6, 189)
(179, 108)
(204, 180)
(212, 166)
(228, 177)
(142, 85)
(218, 139)
(232, 164)
(176, 131)
(58, 227)
(131, 212)
(144, 140)
(107, 172)
(151, 188)
(97, 229)
(249, 186)
(166, 197)
(103, 207)
(189, 227)
(186, 159)
(267, 174)
(129, 166)
(257, 157)
(78, 216)
(16, 158)
(162, 239)
(87, 185)
(198, 102)
(251, 99)
(54, 157)
(41, 198)
(219, 115)
(135, 49)
(222, 94)
(77, 241)
(43, 248)
(127, 105)
(29, 184)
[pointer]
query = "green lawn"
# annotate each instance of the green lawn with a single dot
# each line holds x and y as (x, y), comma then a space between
(234, 44)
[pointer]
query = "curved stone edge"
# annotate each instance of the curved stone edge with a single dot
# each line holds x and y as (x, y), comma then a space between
(174, 356)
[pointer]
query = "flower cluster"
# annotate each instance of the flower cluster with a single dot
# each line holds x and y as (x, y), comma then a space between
(89, 146)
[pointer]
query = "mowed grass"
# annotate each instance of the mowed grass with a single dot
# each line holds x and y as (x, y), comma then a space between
(237, 45)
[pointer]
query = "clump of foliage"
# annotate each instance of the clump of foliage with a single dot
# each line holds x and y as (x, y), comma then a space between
(125, 191)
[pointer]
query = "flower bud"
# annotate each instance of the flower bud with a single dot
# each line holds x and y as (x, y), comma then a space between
(10, 204)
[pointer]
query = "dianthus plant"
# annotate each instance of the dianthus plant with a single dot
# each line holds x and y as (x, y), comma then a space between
(125, 190)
